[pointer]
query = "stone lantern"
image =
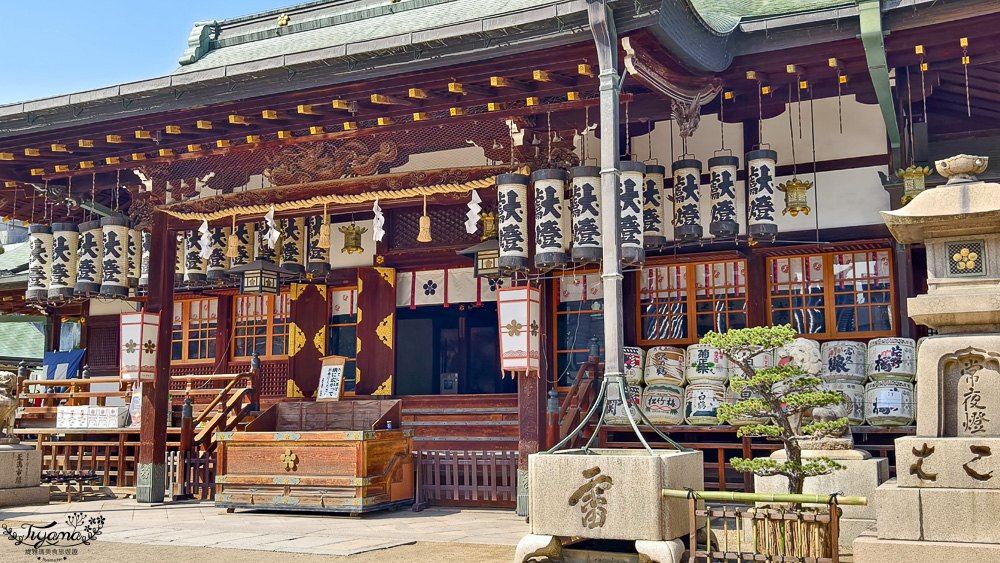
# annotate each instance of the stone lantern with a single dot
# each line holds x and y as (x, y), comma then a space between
(948, 472)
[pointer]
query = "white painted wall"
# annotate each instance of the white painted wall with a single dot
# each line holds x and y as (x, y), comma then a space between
(340, 259)
(101, 307)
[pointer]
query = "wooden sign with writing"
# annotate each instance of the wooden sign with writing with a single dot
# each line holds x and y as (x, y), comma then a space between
(331, 379)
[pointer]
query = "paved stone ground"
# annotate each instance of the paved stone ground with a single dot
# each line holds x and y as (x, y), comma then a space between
(490, 533)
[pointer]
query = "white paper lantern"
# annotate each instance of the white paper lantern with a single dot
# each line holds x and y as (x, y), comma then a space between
(550, 218)
(654, 218)
(65, 246)
(687, 197)
(293, 244)
(722, 171)
(39, 262)
(217, 261)
(146, 247)
(89, 264)
(760, 200)
(512, 209)
(114, 257)
(245, 237)
(519, 311)
(317, 258)
(195, 267)
(134, 257)
(630, 206)
(139, 337)
(587, 214)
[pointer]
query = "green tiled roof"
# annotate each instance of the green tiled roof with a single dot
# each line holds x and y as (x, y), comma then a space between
(14, 266)
(724, 15)
(330, 29)
(22, 340)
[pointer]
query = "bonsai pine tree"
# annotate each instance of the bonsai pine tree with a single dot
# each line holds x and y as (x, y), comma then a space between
(781, 395)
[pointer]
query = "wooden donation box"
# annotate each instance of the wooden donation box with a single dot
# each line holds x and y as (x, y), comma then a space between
(337, 456)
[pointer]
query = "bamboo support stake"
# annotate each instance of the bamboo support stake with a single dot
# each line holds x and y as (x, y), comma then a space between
(763, 497)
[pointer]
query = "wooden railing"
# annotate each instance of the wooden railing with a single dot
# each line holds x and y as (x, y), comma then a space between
(76, 393)
(227, 407)
(191, 474)
(467, 478)
(579, 399)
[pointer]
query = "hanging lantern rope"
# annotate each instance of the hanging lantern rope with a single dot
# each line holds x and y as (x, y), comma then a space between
(338, 199)
(93, 195)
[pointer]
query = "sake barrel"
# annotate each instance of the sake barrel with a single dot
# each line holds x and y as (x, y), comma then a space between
(854, 392)
(663, 403)
(615, 414)
(634, 361)
(664, 364)
(733, 397)
(844, 360)
(701, 403)
(889, 403)
(892, 358)
(762, 360)
(705, 364)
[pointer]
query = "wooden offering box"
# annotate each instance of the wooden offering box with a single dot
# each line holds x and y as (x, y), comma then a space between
(318, 457)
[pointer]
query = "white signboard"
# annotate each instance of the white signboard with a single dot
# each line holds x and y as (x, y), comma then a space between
(331, 379)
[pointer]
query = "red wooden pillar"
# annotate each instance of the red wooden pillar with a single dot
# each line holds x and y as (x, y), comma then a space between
(532, 392)
(376, 331)
(150, 469)
(307, 335)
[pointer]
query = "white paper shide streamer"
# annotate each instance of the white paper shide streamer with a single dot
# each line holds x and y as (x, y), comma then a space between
(205, 240)
(472, 217)
(378, 223)
(272, 233)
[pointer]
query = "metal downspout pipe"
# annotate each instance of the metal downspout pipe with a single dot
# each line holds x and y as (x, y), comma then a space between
(872, 37)
(602, 25)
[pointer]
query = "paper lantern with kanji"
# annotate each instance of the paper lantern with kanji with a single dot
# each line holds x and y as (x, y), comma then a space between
(687, 197)
(90, 259)
(512, 211)
(39, 262)
(293, 244)
(114, 257)
(550, 218)
(65, 246)
(654, 219)
(587, 214)
(520, 318)
(138, 346)
(761, 169)
(218, 262)
(630, 211)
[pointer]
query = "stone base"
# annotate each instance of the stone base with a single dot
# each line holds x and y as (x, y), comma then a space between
(948, 462)
(533, 545)
(150, 483)
(20, 466)
(612, 493)
(937, 514)
(24, 496)
(870, 549)
(660, 551)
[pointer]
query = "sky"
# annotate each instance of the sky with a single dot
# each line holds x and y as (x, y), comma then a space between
(54, 47)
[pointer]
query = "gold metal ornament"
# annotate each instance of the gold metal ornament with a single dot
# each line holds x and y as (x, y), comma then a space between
(352, 238)
(796, 198)
(282, 20)
(490, 228)
(289, 460)
(914, 181)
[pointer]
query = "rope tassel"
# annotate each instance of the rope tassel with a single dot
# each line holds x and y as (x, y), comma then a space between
(324, 230)
(233, 243)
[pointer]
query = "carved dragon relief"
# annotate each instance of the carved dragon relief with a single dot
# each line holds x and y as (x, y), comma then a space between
(298, 164)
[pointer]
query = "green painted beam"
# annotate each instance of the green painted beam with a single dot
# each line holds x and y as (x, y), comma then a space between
(872, 37)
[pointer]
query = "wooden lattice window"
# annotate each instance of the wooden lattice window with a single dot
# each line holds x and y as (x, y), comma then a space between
(194, 327)
(834, 294)
(260, 324)
(680, 303)
(579, 317)
(342, 331)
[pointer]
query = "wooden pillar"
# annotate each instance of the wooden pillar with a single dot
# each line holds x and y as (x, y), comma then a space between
(150, 469)
(376, 331)
(532, 393)
(223, 332)
(310, 312)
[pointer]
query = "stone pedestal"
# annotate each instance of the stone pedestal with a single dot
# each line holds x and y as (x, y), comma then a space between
(942, 505)
(612, 494)
(20, 475)
(860, 478)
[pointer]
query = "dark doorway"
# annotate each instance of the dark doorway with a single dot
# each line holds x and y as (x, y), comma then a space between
(434, 341)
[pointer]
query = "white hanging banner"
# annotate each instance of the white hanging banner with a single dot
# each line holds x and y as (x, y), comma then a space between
(581, 287)
(378, 223)
(446, 287)
(344, 302)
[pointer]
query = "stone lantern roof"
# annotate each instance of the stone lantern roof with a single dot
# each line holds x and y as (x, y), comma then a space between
(959, 223)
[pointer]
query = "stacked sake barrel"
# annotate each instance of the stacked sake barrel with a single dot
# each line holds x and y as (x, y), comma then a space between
(877, 378)
(706, 371)
(889, 395)
(615, 413)
(663, 397)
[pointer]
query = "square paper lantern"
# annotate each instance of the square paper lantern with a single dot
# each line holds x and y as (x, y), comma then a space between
(519, 310)
(138, 342)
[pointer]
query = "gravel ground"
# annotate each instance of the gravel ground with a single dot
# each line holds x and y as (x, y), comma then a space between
(103, 552)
